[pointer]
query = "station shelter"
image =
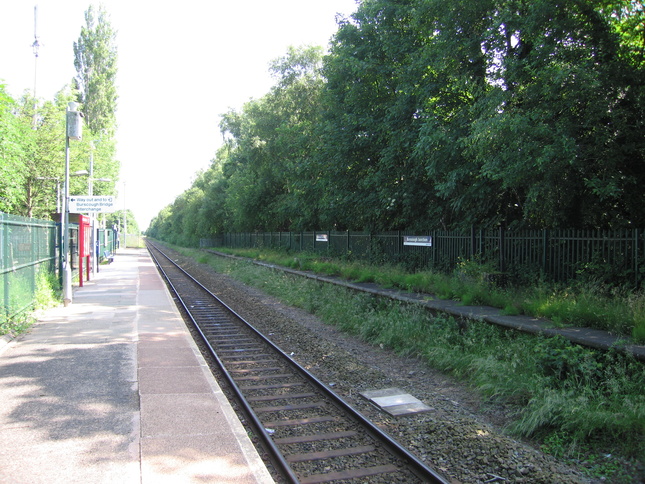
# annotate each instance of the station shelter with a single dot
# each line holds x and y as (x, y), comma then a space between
(80, 237)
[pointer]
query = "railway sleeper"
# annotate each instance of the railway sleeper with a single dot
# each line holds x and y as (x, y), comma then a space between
(309, 456)
(288, 408)
(287, 396)
(301, 439)
(242, 371)
(302, 421)
(349, 474)
(269, 387)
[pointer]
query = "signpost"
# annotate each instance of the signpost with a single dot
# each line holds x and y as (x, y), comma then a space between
(91, 204)
(73, 131)
(418, 240)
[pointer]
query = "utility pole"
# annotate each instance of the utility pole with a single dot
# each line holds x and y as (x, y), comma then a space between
(36, 47)
(90, 192)
(73, 130)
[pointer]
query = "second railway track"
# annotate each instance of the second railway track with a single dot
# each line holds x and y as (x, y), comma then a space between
(314, 436)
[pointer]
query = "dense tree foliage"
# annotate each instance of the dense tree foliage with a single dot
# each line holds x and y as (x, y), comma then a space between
(115, 219)
(32, 156)
(32, 132)
(441, 114)
(270, 146)
(95, 60)
(12, 152)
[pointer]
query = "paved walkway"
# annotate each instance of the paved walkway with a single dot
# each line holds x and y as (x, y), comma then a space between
(112, 389)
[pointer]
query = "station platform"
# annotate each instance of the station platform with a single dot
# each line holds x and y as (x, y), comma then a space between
(112, 389)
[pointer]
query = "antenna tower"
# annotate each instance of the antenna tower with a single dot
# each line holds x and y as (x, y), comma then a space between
(35, 46)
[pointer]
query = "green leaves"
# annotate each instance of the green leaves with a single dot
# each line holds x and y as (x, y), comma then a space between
(95, 60)
(12, 150)
(447, 113)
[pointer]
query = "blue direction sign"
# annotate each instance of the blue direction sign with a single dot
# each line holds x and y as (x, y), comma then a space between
(84, 204)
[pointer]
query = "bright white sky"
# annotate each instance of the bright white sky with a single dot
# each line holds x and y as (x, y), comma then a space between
(181, 65)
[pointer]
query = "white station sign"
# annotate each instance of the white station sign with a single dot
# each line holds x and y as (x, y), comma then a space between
(91, 204)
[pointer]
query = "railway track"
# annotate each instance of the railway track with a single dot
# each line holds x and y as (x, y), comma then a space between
(313, 436)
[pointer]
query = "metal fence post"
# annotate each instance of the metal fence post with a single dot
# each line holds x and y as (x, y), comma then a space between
(399, 244)
(502, 261)
(4, 262)
(636, 250)
(473, 242)
(482, 243)
(433, 234)
(545, 250)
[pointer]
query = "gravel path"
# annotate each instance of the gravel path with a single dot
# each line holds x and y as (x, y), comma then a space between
(461, 436)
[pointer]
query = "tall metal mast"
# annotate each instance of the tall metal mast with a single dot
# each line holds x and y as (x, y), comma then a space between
(35, 46)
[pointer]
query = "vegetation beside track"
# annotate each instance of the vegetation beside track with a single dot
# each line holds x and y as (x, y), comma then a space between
(585, 302)
(15, 324)
(580, 404)
(46, 295)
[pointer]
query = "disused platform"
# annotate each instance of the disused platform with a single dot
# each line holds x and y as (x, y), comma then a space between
(113, 389)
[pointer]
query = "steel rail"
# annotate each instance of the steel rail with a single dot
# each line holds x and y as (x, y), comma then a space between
(417, 466)
(276, 455)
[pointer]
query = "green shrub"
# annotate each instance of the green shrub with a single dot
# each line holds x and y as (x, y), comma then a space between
(47, 290)
(16, 324)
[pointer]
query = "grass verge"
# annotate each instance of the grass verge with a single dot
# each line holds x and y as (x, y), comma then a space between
(618, 310)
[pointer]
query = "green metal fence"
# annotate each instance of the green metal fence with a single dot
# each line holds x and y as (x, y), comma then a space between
(27, 248)
(559, 255)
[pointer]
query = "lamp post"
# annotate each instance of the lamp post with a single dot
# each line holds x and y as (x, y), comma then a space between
(90, 192)
(74, 130)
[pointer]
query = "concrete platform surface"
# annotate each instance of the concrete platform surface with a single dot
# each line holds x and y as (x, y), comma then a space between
(112, 389)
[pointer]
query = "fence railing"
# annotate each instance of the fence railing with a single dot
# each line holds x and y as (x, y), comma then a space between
(559, 255)
(27, 247)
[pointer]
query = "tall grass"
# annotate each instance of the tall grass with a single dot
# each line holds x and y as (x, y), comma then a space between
(590, 305)
(47, 290)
